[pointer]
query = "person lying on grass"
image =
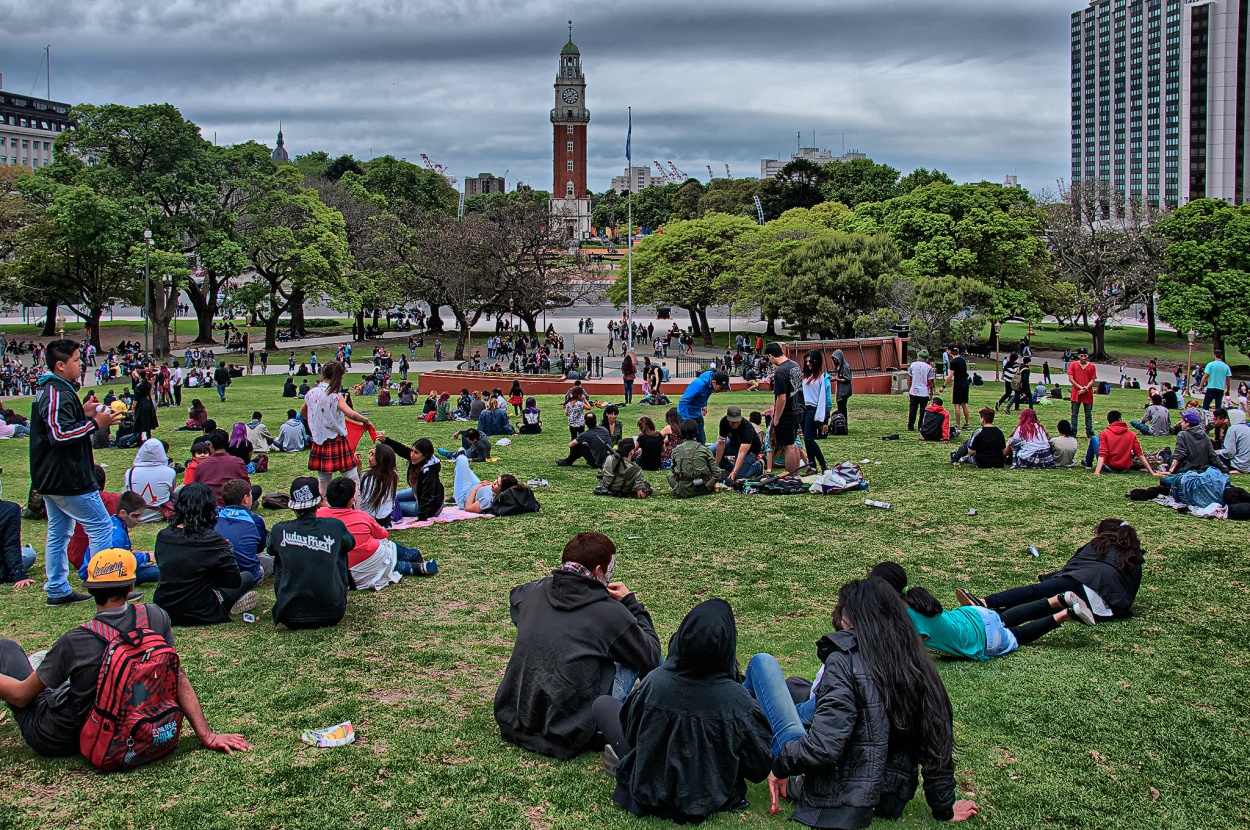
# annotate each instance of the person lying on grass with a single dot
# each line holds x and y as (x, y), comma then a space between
(579, 636)
(880, 712)
(976, 633)
(1106, 572)
(51, 704)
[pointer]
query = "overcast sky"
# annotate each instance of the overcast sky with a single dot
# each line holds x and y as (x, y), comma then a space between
(977, 88)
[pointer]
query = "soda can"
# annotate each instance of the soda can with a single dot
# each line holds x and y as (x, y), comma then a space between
(972, 512)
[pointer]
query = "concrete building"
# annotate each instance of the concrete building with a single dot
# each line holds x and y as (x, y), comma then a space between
(634, 180)
(29, 127)
(771, 167)
(1159, 98)
(570, 201)
(483, 184)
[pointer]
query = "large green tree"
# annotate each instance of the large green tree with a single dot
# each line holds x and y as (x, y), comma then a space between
(830, 281)
(1206, 286)
(858, 182)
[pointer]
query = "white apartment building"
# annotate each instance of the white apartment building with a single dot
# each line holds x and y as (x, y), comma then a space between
(28, 128)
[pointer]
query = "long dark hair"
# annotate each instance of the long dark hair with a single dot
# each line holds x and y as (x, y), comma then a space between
(911, 689)
(195, 509)
(813, 364)
(426, 447)
(332, 374)
(382, 479)
(917, 599)
(1113, 533)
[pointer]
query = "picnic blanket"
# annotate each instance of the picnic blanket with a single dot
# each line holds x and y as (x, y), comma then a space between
(450, 513)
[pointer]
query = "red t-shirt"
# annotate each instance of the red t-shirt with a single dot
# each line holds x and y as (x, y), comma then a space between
(1085, 375)
(77, 547)
(364, 529)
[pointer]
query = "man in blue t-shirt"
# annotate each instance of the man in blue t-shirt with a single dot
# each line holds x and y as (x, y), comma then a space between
(1217, 378)
(694, 400)
(244, 529)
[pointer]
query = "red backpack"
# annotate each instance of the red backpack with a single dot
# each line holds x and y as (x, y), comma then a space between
(136, 717)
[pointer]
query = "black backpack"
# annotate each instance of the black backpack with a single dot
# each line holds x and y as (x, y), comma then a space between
(837, 424)
(514, 501)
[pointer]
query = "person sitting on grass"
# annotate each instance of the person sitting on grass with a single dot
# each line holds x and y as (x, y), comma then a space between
(379, 484)
(880, 712)
(1063, 446)
(531, 419)
(687, 741)
(1236, 449)
(245, 530)
(200, 581)
(376, 561)
(220, 467)
(16, 559)
(986, 447)
(51, 704)
(288, 388)
(472, 443)
(442, 410)
(258, 433)
(594, 445)
(976, 633)
(424, 495)
(153, 479)
(128, 513)
(621, 476)
(1106, 572)
(473, 495)
(292, 436)
(494, 419)
(1194, 451)
(694, 471)
(935, 423)
(1030, 444)
(197, 414)
(1117, 448)
(311, 576)
(579, 636)
(1157, 421)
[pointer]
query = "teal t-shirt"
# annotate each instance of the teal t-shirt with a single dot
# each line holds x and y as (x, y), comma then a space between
(959, 632)
(1218, 371)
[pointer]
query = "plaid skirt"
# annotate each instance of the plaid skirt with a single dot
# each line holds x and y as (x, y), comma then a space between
(334, 456)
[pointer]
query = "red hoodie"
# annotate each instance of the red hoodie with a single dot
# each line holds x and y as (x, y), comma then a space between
(1117, 446)
(946, 421)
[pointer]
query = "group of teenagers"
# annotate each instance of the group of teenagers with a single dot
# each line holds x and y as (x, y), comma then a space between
(682, 734)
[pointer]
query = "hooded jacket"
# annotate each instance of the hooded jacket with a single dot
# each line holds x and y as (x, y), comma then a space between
(1118, 446)
(259, 435)
(153, 478)
(291, 437)
(428, 486)
(1117, 588)
(841, 376)
(570, 635)
(696, 732)
(1194, 451)
(61, 463)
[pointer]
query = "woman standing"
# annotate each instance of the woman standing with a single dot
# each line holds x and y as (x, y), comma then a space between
(629, 372)
(145, 410)
(842, 381)
(327, 412)
(817, 396)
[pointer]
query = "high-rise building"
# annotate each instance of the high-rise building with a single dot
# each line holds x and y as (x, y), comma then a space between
(771, 167)
(483, 184)
(570, 201)
(1159, 99)
(29, 127)
(634, 180)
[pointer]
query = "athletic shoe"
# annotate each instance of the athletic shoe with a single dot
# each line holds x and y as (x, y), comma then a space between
(69, 599)
(967, 598)
(245, 603)
(1078, 608)
(562, 462)
(610, 761)
(134, 596)
(429, 567)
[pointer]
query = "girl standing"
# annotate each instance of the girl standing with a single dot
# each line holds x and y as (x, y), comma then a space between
(327, 413)
(817, 395)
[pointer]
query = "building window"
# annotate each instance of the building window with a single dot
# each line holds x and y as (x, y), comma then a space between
(570, 129)
(568, 190)
(570, 165)
(570, 144)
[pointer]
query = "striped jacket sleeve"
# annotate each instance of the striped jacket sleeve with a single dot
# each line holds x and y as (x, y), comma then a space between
(63, 426)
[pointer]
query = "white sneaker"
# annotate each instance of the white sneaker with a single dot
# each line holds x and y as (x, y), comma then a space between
(1079, 609)
(251, 599)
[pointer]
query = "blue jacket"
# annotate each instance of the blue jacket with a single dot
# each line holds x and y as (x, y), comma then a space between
(121, 539)
(247, 535)
(695, 398)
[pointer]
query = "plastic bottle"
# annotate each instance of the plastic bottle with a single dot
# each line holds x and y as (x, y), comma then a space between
(1033, 550)
(884, 505)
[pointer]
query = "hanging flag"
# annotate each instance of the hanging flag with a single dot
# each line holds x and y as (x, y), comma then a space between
(629, 135)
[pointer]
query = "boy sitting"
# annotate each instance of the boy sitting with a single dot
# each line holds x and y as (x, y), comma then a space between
(935, 424)
(621, 476)
(244, 529)
(310, 571)
(129, 513)
(200, 450)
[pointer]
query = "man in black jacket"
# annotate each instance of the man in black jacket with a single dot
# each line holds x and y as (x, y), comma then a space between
(62, 468)
(594, 445)
(579, 635)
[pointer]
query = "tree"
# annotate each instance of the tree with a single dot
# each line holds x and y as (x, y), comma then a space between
(735, 197)
(686, 200)
(343, 164)
(796, 185)
(858, 182)
(401, 182)
(1108, 249)
(829, 282)
(1206, 286)
(919, 178)
(682, 267)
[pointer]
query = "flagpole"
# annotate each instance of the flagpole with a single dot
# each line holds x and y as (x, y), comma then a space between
(629, 209)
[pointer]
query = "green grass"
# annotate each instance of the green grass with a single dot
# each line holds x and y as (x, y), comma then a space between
(1123, 344)
(1079, 730)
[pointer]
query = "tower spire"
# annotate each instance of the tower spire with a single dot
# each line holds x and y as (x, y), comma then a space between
(570, 31)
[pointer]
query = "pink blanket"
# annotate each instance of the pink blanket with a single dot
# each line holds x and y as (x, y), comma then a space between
(449, 513)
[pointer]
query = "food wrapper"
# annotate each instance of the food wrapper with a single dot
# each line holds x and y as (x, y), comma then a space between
(339, 735)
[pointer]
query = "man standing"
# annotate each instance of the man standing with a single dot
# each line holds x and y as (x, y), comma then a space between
(62, 468)
(1083, 375)
(221, 377)
(921, 388)
(175, 383)
(693, 403)
(957, 375)
(1217, 378)
(787, 406)
(264, 361)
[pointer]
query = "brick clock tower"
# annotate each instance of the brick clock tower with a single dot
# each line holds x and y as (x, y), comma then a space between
(570, 201)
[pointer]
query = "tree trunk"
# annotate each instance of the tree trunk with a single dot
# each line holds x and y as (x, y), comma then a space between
(49, 321)
(1150, 320)
(771, 328)
(204, 301)
(271, 333)
(707, 330)
(1099, 332)
(93, 326)
(296, 304)
(433, 322)
(360, 325)
(462, 336)
(695, 329)
(163, 310)
(1217, 341)
(531, 323)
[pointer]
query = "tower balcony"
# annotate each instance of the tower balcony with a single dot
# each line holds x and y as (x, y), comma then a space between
(570, 115)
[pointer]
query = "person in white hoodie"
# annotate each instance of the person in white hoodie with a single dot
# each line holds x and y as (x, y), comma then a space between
(153, 478)
(258, 433)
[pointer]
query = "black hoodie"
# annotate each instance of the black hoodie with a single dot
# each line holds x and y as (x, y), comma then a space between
(570, 635)
(696, 732)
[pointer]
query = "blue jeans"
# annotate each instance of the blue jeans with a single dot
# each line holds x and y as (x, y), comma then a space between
(1140, 427)
(147, 573)
(407, 560)
(465, 481)
(221, 391)
(765, 680)
(1089, 416)
(629, 390)
(407, 501)
(1215, 396)
(623, 682)
(20, 430)
(751, 465)
(698, 419)
(28, 557)
(1091, 453)
(63, 512)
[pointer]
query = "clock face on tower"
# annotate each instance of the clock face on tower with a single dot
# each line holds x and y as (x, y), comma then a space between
(569, 96)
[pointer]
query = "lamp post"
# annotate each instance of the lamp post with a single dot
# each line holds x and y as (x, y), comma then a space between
(1189, 367)
(147, 291)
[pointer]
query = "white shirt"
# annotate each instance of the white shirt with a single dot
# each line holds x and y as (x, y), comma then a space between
(921, 373)
(325, 421)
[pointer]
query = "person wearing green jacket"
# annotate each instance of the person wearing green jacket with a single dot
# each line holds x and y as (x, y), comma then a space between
(694, 471)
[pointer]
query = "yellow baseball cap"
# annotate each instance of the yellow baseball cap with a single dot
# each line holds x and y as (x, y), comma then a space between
(110, 568)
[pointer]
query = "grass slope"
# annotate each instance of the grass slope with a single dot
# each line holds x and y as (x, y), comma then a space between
(1137, 724)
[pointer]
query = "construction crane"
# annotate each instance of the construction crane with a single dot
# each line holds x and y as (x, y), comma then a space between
(440, 170)
(660, 170)
(728, 175)
(710, 174)
(677, 175)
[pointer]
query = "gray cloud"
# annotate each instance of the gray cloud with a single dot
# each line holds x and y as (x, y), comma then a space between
(976, 88)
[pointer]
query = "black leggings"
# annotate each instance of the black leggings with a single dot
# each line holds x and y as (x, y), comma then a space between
(1030, 621)
(811, 434)
(607, 714)
(1031, 604)
(575, 431)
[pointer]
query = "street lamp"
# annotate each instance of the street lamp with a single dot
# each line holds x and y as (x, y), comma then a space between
(147, 291)
(1189, 369)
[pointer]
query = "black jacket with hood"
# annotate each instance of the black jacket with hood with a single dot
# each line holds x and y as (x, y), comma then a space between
(570, 635)
(696, 732)
(841, 376)
(61, 463)
(428, 487)
(1117, 588)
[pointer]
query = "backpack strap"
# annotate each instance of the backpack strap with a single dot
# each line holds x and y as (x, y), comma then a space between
(108, 633)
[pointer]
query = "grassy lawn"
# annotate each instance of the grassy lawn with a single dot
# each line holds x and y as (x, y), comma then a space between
(1139, 724)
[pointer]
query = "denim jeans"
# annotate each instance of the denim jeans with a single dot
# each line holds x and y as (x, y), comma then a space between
(28, 557)
(765, 680)
(1089, 416)
(623, 682)
(699, 422)
(810, 436)
(629, 390)
(1140, 427)
(221, 391)
(407, 501)
(86, 509)
(465, 481)
(751, 465)
(20, 430)
(1211, 396)
(407, 560)
(147, 573)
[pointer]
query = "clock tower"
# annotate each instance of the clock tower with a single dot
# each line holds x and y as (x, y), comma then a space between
(570, 201)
